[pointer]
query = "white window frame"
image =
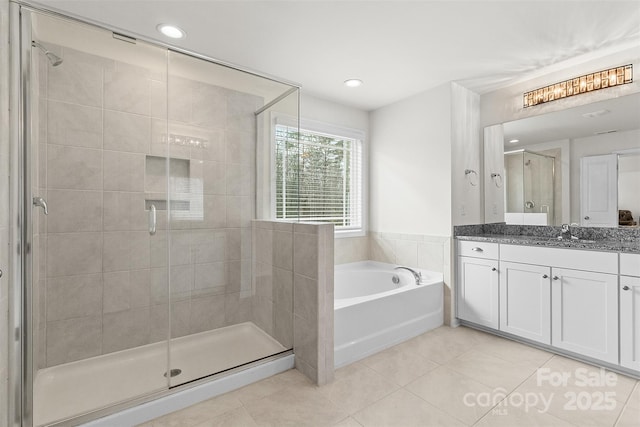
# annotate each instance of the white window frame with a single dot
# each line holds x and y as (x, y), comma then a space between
(329, 129)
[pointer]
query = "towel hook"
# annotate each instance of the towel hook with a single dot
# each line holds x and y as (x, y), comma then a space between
(497, 179)
(467, 172)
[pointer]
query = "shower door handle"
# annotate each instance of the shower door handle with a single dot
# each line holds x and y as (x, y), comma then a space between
(40, 202)
(152, 220)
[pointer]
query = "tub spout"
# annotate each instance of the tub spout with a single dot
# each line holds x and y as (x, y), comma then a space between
(416, 275)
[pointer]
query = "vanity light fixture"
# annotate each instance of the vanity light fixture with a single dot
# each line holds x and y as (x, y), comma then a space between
(584, 84)
(353, 82)
(171, 31)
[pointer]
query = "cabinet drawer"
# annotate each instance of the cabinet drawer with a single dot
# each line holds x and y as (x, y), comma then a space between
(485, 250)
(630, 264)
(605, 262)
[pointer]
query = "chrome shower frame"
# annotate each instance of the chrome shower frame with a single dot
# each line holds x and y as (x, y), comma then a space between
(21, 374)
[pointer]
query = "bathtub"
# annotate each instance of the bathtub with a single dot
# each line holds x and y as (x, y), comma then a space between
(373, 313)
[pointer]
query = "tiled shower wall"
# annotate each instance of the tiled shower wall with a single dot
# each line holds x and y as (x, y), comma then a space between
(294, 279)
(412, 250)
(103, 278)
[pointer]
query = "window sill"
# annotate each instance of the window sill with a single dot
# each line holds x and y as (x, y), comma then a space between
(339, 234)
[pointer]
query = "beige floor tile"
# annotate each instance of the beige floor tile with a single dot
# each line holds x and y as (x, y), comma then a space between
(399, 366)
(403, 409)
(491, 370)
(198, 413)
(454, 393)
(438, 347)
(349, 370)
(295, 406)
(512, 351)
(236, 418)
(348, 422)
(584, 377)
(630, 417)
(577, 404)
(271, 385)
(517, 416)
(358, 390)
(634, 398)
(463, 333)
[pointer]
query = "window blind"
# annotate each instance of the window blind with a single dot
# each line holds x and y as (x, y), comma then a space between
(318, 177)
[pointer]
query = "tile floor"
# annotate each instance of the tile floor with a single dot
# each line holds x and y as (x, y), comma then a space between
(446, 377)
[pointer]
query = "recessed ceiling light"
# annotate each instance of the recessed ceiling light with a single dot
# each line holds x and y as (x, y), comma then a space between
(353, 82)
(513, 141)
(171, 31)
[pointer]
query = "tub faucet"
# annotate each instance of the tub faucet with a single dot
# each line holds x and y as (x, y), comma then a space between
(416, 275)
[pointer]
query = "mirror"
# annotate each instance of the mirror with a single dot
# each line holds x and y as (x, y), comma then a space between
(579, 165)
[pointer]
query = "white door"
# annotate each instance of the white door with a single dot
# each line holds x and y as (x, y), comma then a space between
(584, 309)
(525, 301)
(630, 322)
(599, 191)
(478, 291)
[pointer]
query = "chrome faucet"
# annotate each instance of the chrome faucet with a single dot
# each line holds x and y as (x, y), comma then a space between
(416, 274)
(566, 233)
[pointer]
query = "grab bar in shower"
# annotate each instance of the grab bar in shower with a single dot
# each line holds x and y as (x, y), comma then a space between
(152, 219)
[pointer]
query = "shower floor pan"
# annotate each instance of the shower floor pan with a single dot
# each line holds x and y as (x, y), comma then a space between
(75, 388)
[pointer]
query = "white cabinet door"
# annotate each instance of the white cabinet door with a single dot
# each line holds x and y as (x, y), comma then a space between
(525, 301)
(630, 322)
(478, 291)
(585, 313)
(599, 191)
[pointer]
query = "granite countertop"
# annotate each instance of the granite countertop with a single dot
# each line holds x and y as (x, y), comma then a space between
(611, 245)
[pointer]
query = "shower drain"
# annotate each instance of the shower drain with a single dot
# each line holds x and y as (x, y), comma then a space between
(173, 373)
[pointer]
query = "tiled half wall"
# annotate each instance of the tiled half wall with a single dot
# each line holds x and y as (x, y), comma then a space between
(294, 275)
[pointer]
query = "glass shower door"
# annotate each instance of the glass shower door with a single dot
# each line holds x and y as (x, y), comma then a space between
(222, 311)
(538, 185)
(100, 319)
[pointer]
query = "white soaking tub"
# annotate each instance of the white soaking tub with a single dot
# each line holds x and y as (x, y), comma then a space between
(373, 312)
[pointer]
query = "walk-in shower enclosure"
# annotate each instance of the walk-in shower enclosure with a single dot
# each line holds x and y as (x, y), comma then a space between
(134, 190)
(529, 188)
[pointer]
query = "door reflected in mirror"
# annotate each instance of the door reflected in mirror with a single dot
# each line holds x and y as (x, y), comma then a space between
(575, 166)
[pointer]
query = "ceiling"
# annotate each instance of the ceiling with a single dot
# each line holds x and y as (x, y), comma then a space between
(612, 115)
(398, 48)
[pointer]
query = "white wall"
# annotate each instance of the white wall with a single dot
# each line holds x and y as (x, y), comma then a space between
(410, 165)
(313, 108)
(4, 210)
(466, 154)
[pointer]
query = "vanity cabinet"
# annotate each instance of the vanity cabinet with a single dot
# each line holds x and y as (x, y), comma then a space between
(564, 298)
(576, 303)
(584, 310)
(525, 301)
(630, 311)
(477, 295)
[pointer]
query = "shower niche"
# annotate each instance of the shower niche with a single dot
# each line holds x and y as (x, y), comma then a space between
(142, 272)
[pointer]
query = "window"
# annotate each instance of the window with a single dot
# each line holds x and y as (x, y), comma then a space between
(318, 175)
